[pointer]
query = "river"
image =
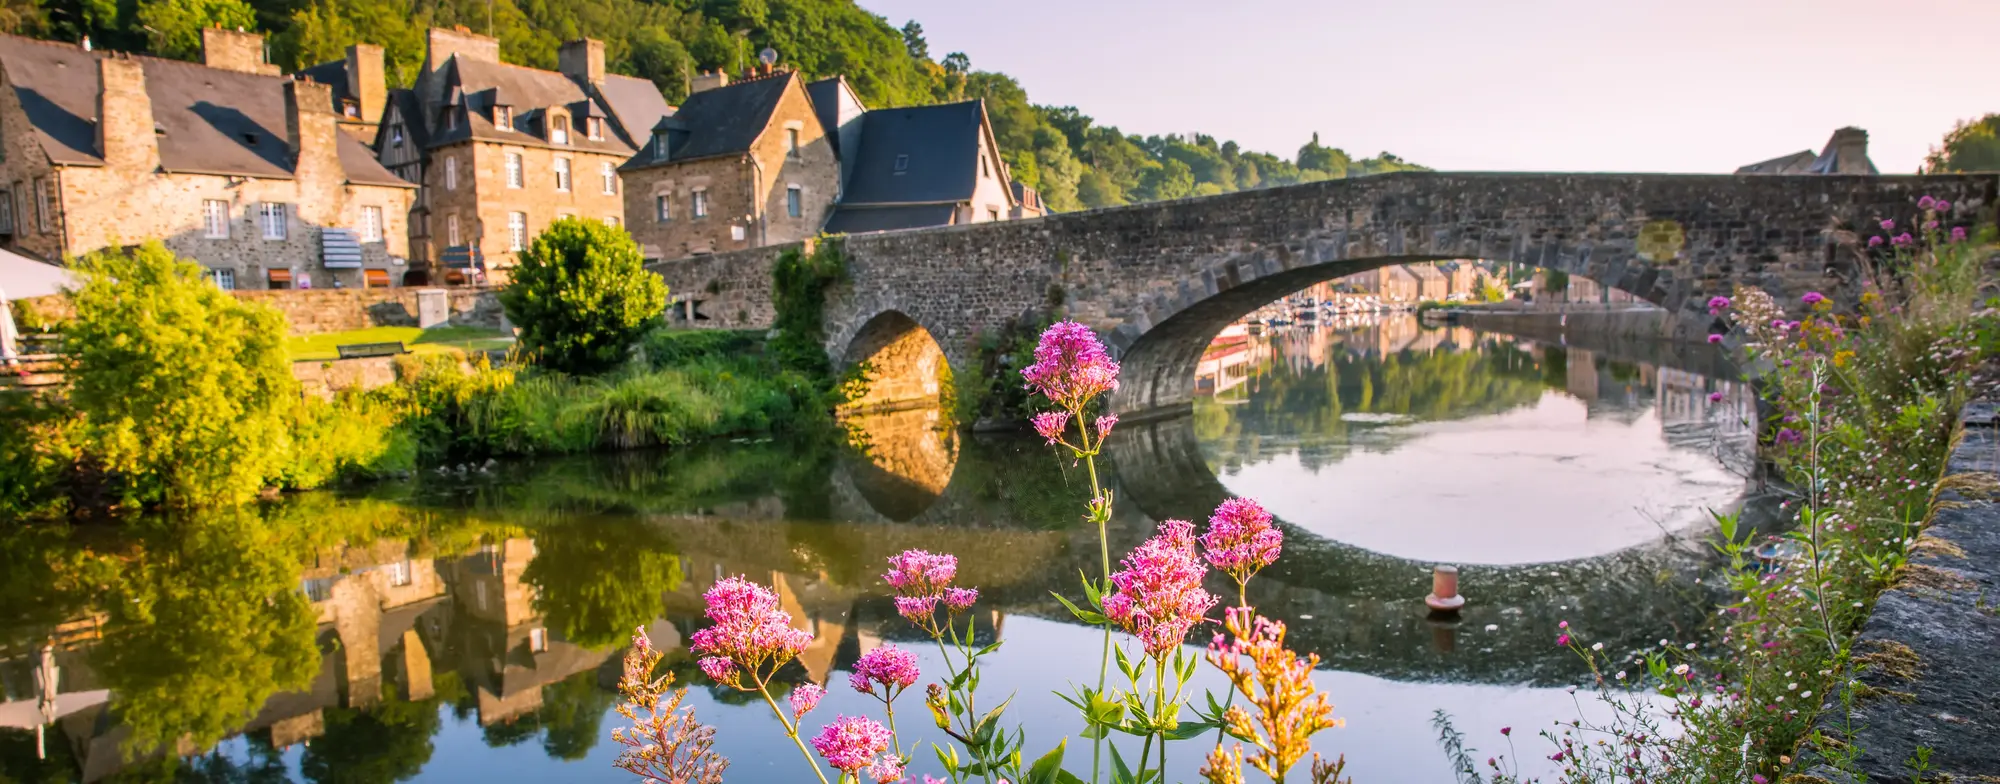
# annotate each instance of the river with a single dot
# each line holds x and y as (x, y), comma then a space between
(467, 624)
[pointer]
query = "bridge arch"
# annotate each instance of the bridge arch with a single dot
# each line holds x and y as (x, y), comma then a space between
(902, 365)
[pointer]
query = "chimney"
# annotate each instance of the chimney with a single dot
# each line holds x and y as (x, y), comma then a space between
(310, 134)
(582, 60)
(365, 81)
(709, 81)
(125, 116)
(440, 46)
(1849, 147)
(234, 50)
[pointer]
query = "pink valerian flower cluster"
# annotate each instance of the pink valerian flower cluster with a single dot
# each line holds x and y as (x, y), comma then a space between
(805, 697)
(922, 581)
(1051, 424)
(1241, 539)
(1071, 367)
(851, 743)
(750, 632)
(1159, 597)
(890, 667)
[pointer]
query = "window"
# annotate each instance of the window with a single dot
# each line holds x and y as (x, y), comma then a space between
(611, 220)
(271, 215)
(902, 163)
(700, 202)
(349, 108)
(371, 224)
(398, 573)
(451, 174)
(396, 135)
(538, 639)
(42, 204)
(517, 231)
(663, 209)
(984, 170)
(610, 174)
(660, 146)
(562, 174)
(451, 118)
(559, 130)
(515, 178)
(224, 279)
(992, 214)
(594, 126)
(792, 206)
(217, 219)
(737, 232)
(791, 142)
(503, 117)
(451, 229)
(6, 212)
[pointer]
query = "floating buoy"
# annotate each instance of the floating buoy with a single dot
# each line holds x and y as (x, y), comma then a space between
(1444, 596)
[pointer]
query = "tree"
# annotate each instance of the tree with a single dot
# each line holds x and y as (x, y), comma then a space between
(174, 26)
(1331, 160)
(582, 297)
(1971, 146)
(184, 390)
(913, 41)
(657, 56)
(1556, 282)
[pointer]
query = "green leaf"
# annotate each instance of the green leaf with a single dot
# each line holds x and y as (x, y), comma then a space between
(1085, 616)
(1044, 770)
(1120, 771)
(1190, 730)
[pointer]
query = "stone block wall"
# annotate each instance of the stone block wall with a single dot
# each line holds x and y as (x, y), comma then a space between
(339, 310)
(482, 200)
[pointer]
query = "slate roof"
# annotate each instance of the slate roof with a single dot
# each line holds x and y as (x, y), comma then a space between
(530, 91)
(1789, 164)
(939, 149)
(720, 121)
(332, 74)
(410, 108)
(848, 219)
(211, 121)
(637, 103)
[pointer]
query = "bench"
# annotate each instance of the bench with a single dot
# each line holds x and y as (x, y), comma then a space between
(358, 350)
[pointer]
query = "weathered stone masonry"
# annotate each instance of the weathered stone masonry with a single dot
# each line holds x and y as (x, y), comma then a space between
(1158, 280)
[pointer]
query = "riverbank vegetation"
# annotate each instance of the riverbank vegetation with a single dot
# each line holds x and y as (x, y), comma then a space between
(1865, 401)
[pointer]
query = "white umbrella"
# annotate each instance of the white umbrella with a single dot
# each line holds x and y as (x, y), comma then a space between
(8, 333)
(26, 278)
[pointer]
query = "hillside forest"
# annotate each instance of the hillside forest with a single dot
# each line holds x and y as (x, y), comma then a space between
(1074, 162)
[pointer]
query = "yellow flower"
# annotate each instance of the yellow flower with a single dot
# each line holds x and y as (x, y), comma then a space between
(1840, 358)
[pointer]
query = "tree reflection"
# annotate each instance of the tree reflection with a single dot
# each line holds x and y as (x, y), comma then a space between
(597, 578)
(387, 743)
(203, 626)
(568, 722)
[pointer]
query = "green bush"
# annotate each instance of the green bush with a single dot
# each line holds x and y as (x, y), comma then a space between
(673, 347)
(582, 297)
(799, 281)
(37, 455)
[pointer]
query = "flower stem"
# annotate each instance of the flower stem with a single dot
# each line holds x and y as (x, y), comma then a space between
(791, 730)
(1160, 708)
(889, 707)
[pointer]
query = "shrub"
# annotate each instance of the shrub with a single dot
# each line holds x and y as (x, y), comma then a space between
(582, 297)
(183, 390)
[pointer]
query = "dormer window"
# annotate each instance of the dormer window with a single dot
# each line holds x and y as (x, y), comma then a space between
(559, 129)
(451, 118)
(350, 109)
(503, 118)
(595, 126)
(660, 145)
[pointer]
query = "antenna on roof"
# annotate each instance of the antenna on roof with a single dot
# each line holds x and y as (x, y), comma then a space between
(769, 57)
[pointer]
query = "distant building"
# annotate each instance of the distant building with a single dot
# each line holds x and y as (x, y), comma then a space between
(1391, 283)
(224, 161)
(1027, 202)
(360, 92)
(736, 166)
(1845, 153)
(1432, 285)
(922, 166)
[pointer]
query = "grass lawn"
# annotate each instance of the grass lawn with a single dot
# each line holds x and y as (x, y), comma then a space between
(420, 341)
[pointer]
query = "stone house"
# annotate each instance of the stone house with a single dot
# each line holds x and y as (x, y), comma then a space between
(1392, 283)
(225, 161)
(921, 166)
(1431, 283)
(1845, 153)
(360, 89)
(503, 150)
(1027, 202)
(736, 166)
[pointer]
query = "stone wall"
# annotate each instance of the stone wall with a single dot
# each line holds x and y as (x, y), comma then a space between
(1158, 280)
(1629, 324)
(322, 378)
(339, 310)
(482, 200)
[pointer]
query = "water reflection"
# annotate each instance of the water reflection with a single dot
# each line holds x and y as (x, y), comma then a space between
(468, 626)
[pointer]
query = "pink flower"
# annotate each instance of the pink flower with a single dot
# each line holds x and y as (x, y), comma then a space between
(1240, 539)
(1926, 203)
(1104, 425)
(1159, 597)
(1787, 435)
(1562, 640)
(1901, 240)
(1942, 205)
(1715, 397)
(750, 631)
(1714, 339)
(887, 770)
(718, 669)
(1958, 234)
(1875, 241)
(918, 609)
(920, 573)
(1506, 730)
(1071, 367)
(1050, 424)
(958, 600)
(850, 743)
(1888, 225)
(1718, 303)
(1813, 298)
(893, 668)
(805, 697)
(640, 641)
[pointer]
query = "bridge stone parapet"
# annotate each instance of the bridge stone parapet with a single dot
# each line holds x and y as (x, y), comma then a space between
(1158, 280)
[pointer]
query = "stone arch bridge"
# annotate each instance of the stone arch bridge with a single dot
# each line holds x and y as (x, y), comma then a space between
(1159, 280)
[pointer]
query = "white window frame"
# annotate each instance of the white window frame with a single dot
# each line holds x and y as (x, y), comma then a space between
(595, 127)
(224, 279)
(42, 204)
(371, 223)
(663, 208)
(451, 174)
(517, 175)
(660, 147)
(698, 203)
(503, 118)
(609, 172)
(795, 201)
(517, 231)
(451, 230)
(562, 174)
(612, 221)
(274, 220)
(538, 639)
(6, 211)
(792, 143)
(559, 130)
(215, 219)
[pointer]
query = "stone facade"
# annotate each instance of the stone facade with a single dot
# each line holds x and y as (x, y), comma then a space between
(59, 211)
(331, 310)
(749, 194)
(1158, 280)
(479, 199)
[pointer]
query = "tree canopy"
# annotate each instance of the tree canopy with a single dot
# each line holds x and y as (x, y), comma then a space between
(1972, 145)
(582, 297)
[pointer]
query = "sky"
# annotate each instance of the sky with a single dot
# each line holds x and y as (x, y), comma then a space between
(1499, 85)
